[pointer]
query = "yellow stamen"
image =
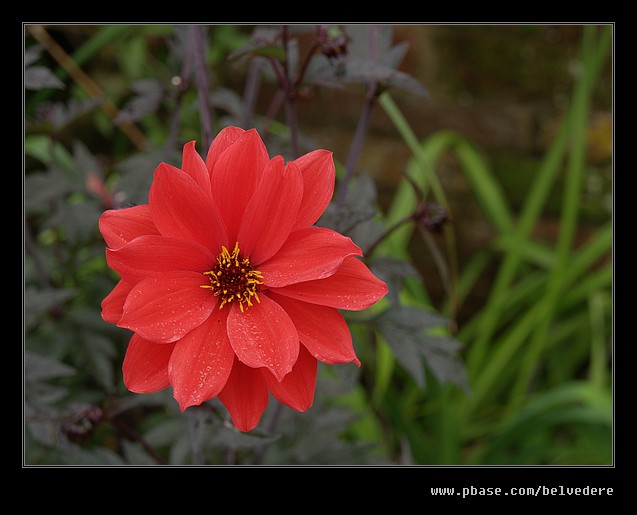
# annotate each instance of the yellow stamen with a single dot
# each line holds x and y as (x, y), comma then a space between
(233, 279)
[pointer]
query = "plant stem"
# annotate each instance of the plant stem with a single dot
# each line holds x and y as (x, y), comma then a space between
(197, 43)
(177, 98)
(260, 451)
(361, 127)
(293, 124)
(305, 64)
(387, 232)
(444, 271)
(253, 83)
(133, 435)
(289, 87)
(357, 146)
(131, 130)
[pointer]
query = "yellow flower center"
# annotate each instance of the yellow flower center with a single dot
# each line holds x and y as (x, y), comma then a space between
(233, 279)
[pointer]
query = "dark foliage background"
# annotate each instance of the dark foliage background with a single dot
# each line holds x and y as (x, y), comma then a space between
(475, 171)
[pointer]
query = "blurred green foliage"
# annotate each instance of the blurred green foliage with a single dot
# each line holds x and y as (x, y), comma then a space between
(526, 380)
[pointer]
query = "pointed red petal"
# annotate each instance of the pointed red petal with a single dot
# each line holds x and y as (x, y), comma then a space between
(113, 303)
(222, 141)
(264, 336)
(201, 362)
(147, 255)
(319, 175)
(245, 396)
(235, 176)
(193, 165)
(119, 226)
(180, 208)
(164, 308)
(145, 366)
(297, 388)
(322, 330)
(271, 212)
(308, 254)
(352, 287)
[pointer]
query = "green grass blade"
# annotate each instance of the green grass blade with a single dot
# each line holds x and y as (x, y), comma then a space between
(569, 217)
(597, 370)
(486, 189)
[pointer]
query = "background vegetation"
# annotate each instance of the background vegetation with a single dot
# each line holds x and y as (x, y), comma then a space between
(475, 171)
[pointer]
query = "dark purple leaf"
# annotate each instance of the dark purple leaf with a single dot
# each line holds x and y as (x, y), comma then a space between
(408, 331)
(147, 99)
(39, 77)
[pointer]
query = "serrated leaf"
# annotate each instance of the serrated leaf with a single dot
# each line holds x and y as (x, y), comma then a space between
(395, 55)
(358, 208)
(60, 114)
(413, 318)
(76, 455)
(405, 347)
(263, 43)
(394, 272)
(79, 221)
(37, 302)
(364, 65)
(100, 351)
(42, 422)
(39, 77)
(228, 100)
(44, 395)
(40, 188)
(364, 71)
(363, 35)
(39, 368)
(147, 99)
(85, 161)
(135, 454)
(31, 54)
(137, 175)
(440, 356)
(166, 432)
(407, 330)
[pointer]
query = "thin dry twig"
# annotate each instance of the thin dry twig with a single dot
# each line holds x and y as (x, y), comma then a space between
(87, 83)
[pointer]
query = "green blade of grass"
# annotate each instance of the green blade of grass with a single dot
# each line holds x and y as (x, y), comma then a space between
(486, 189)
(573, 404)
(510, 344)
(597, 368)
(537, 198)
(569, 218)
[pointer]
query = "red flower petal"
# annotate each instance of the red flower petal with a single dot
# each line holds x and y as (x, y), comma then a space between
(180, 208)
(201, 362)
(119, 226)
(271, 212)
(145, 366)
(224, 139)
(113, 303)
(164, 308)
(297, 388)
(264, 336)
(319, 175)
(308, 254)
(245, 396)
(157, 254)
(235, 176)
(193, 165)
(322, 330)
(352, 287)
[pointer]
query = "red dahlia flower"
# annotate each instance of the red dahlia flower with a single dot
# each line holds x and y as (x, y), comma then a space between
(228, 287)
